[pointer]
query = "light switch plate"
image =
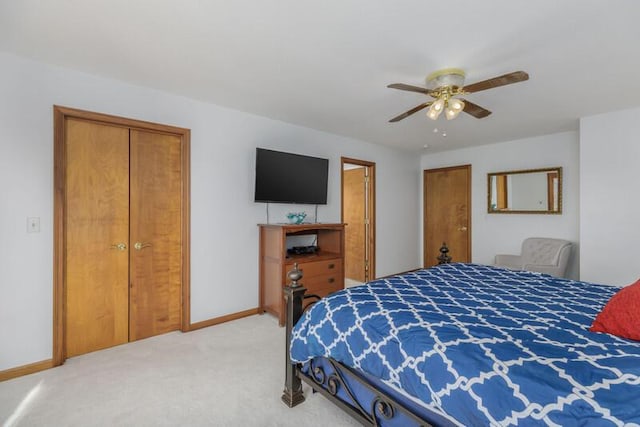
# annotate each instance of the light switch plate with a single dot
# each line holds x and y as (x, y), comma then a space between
(33, 224)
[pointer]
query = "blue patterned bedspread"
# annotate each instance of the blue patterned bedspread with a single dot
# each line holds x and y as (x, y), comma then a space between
(482, 345)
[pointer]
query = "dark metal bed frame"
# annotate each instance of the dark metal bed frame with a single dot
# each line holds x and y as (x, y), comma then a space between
(329, 382)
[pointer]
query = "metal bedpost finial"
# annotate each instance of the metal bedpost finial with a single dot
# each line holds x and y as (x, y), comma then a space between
(294, 275)
(444, 258)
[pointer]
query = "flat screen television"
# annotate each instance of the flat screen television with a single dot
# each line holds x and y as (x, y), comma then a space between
(290, 178)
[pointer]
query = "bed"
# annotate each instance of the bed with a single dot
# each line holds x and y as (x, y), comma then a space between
(464, 344)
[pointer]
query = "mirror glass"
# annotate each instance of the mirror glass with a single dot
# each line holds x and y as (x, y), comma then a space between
(526, 191)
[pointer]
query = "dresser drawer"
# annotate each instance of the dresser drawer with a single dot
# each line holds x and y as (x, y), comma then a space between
(327, 282)
(318, 268)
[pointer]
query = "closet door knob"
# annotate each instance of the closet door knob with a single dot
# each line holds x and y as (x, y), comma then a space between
(119, 246)
(139, 245)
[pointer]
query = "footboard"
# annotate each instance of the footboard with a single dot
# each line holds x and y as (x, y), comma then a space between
(343, 386)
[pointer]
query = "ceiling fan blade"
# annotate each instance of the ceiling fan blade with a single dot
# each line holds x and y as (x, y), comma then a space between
(475, 110)
(410, 112)
(507, 79)
(410, 88)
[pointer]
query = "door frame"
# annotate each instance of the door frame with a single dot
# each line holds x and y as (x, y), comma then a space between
(60, 115)
(371, 167)
(424, 208)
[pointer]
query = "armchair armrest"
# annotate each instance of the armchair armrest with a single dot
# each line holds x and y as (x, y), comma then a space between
(509, 261)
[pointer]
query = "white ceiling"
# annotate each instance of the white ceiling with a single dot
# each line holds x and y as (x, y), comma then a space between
(325, 64)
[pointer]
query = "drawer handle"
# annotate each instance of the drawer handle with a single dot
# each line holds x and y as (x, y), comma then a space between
(332, 266)
(331, 280)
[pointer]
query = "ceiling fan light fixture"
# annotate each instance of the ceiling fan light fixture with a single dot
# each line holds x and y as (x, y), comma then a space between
(454, 107)
(432, 113)
(435, 109)
(451, 114)
(456, 104)
(438, 105)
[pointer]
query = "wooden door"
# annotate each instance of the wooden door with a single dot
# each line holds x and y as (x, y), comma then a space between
(447, 201)
(354, 214)
(358, 212)
(156, 258)
(96, 225)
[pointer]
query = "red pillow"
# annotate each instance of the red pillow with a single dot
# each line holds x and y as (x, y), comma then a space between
(621, 315)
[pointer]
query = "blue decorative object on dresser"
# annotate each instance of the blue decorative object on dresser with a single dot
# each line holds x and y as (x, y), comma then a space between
(296, 217)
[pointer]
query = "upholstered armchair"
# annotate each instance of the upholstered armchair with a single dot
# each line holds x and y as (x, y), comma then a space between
(541, 254)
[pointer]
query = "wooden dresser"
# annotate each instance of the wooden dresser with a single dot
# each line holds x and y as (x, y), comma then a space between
(323, 271)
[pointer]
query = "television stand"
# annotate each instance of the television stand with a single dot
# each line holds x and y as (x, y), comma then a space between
(323, 269)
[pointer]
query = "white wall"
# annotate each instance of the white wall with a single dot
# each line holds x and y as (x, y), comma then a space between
(503, 233)
(610, 197)
(223, 216)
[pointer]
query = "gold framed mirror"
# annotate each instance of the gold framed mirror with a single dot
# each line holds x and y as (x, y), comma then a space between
(531, 191)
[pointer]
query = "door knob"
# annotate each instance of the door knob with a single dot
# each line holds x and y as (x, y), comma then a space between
(462, 228)
(119, 246)
(140, 245)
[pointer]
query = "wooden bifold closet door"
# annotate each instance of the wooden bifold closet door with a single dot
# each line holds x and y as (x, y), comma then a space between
(155, 257)
(97, 236)
(123, 235)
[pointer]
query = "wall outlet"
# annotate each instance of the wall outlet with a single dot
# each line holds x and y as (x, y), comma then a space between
(33, 224)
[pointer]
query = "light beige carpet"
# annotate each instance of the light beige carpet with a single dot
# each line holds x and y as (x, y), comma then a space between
(226, 375)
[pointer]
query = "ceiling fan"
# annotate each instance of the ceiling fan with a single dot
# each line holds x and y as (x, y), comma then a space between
(445, 85)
